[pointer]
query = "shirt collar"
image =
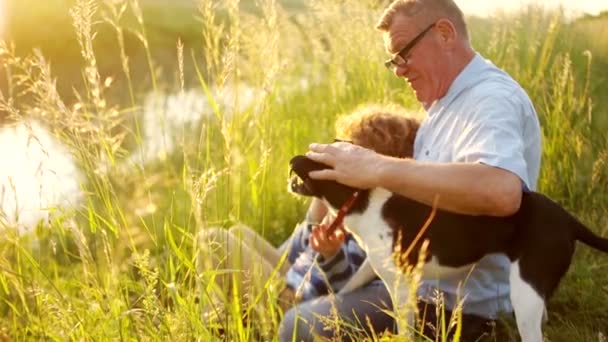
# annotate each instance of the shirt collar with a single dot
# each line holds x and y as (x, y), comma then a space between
(466, 78)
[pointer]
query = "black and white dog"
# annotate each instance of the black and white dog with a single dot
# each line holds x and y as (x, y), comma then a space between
(539, 240)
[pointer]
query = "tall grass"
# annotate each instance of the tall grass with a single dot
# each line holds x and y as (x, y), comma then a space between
(121, 266)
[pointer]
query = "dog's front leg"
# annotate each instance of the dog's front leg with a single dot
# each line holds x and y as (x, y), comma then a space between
(364, 274)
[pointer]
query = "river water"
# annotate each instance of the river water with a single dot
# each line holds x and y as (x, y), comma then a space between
(38, 174)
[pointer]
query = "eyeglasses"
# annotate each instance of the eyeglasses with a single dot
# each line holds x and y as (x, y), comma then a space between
(398, 59)
(345, 141)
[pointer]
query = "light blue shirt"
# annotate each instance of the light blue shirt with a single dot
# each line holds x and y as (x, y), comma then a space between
(485, 117)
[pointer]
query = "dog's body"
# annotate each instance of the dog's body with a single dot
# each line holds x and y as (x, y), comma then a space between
(539, 240)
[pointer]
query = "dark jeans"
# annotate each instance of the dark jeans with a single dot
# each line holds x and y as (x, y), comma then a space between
(367, 313)
(363, 312)
(474, 328)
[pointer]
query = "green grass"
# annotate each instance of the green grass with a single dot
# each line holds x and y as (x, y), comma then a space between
(121, 265)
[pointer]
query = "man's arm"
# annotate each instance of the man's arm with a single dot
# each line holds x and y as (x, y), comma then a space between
(467, 188)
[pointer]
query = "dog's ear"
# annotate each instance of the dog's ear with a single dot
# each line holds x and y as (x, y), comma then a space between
(296, 164)
(302, 165)
(296, 160)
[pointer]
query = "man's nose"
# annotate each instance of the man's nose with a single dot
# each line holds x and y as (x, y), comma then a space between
(400, 70)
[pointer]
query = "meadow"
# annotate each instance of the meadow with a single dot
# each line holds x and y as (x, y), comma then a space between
(273, 76)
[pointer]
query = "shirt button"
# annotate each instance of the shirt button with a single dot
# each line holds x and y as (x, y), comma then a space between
(427, 153)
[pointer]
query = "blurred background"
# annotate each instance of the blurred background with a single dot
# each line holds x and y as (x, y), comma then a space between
(127, 126)
(135, 47)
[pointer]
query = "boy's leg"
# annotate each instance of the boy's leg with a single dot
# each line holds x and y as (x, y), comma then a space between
(362, 312)
(256, 241)
(232, 263)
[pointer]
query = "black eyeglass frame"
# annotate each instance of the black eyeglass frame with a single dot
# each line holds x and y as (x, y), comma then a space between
(391, 64)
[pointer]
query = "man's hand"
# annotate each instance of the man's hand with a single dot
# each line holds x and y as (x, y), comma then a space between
(464, 188)
(352, 165)
(327, 244)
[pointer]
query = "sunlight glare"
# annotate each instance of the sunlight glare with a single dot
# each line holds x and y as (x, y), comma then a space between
(37, 176)
(576, 7)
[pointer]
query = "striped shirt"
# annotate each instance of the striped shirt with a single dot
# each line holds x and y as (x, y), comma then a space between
(311, 275)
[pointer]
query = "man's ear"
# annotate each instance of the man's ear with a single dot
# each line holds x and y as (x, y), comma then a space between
(447, 31)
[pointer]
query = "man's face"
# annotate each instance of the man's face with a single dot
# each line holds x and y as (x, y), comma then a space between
(419, 63)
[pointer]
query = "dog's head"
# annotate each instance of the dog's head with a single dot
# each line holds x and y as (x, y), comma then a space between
(334, 193)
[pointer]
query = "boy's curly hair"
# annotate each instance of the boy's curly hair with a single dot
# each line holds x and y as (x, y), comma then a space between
(388, 130)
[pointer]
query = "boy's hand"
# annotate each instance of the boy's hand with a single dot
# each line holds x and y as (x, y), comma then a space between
(326, 244)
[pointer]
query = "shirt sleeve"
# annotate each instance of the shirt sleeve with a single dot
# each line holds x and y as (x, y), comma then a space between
(297, 242)
(494, 136)
(343, 265)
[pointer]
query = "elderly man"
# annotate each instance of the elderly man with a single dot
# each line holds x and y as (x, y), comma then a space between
(476, 151)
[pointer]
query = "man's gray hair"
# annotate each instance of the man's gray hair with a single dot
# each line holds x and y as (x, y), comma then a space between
(435, 9)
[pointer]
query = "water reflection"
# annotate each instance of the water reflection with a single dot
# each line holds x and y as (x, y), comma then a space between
(170, 119)
(37, 176)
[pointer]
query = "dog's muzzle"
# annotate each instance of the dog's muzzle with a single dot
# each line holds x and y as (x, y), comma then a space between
(297, 185)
